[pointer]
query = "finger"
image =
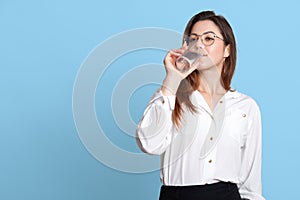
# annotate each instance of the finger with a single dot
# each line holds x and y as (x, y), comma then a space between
(180, 51)
(175, 52)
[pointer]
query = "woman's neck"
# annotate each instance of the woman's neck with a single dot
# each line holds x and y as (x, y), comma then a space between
(211, 82)
(211, 87)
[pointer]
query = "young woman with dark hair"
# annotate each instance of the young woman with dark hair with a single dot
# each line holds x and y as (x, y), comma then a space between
(208, 135)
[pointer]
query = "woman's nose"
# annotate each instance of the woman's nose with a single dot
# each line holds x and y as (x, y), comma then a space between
(200, 44)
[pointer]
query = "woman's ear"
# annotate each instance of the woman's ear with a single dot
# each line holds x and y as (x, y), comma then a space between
(227, 51)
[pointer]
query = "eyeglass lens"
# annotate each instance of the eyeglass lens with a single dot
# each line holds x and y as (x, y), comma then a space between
(207, 39)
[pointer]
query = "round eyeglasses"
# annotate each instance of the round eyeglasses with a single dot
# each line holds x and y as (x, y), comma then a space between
(207, 38)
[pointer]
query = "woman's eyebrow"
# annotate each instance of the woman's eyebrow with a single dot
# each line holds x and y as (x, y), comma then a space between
(203, 33)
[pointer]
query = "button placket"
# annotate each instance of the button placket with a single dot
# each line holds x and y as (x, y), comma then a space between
(209, 166)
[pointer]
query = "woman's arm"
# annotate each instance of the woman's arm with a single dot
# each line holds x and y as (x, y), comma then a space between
(154, 131)
(251, 187)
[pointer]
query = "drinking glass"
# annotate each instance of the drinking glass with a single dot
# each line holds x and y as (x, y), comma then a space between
(189, 57)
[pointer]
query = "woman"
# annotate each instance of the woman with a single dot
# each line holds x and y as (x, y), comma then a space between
(208, 135)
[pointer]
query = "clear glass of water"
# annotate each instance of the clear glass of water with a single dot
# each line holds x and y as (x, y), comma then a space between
(189, 57)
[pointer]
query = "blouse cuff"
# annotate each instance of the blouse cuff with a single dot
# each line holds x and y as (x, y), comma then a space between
(160, 99)
(170, 100)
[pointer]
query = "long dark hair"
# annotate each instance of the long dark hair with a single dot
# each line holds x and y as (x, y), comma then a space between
(191, 82)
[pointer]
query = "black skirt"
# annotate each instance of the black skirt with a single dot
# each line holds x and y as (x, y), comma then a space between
(215, 191)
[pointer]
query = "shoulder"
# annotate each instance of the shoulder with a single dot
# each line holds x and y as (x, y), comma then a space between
(243, 102)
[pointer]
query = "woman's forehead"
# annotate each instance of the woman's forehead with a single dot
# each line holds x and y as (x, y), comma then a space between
(201, 27)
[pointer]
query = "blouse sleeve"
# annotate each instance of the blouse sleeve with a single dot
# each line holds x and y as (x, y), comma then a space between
(154, 131)
(251, 186)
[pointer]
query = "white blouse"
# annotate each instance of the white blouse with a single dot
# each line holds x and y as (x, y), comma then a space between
(210, 146)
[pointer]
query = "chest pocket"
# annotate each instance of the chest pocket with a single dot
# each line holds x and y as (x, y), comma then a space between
(238, 125)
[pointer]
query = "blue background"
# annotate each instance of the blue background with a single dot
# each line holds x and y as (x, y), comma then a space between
(42, 45)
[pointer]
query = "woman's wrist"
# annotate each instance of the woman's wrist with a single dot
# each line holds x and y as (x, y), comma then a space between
(171, 84)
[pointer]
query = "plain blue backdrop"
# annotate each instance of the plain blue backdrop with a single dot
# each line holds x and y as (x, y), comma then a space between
(42, 45)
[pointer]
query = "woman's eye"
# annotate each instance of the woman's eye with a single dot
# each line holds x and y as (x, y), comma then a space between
(193, 39)
(208, 38)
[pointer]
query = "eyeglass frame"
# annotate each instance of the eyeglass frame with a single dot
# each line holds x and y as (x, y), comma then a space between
(200, 36)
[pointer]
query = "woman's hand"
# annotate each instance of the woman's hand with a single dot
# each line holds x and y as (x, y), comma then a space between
(173, 75)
